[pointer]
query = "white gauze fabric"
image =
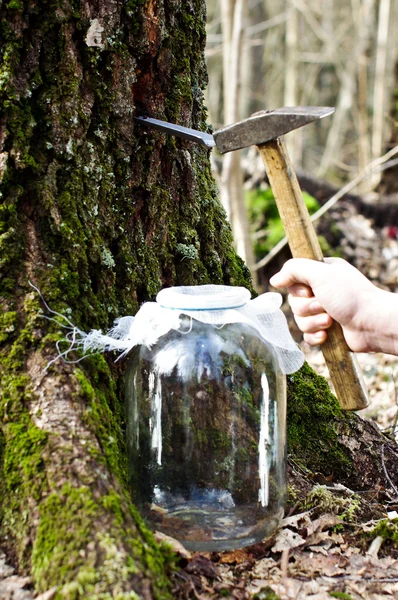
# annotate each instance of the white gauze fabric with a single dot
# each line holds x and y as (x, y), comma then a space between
(216, 305)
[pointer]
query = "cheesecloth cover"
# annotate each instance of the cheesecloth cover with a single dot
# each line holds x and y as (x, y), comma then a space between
(216, 305)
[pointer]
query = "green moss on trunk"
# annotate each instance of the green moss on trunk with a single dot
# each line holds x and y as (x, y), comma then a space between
(67, 516)
(315, 422)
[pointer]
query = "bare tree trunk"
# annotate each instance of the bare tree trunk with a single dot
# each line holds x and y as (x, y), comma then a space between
(292, 78)
(231, 180)
(252, 96)
(363, 116)
(388, 183)
(379, 105)
(348, 78)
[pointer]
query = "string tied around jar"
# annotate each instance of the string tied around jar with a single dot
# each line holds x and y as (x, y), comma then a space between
(217, 305)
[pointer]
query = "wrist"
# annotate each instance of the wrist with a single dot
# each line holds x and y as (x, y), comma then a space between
(380, 322)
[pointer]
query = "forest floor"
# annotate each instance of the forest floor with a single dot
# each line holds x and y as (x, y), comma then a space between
(346, 545)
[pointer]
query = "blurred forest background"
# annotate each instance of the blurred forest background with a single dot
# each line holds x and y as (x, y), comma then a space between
(264, 54)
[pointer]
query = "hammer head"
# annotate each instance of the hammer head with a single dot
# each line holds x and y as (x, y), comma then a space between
(267, 125)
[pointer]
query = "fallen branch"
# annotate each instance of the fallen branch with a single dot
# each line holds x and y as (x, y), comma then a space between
(386, 472)
(376, 166)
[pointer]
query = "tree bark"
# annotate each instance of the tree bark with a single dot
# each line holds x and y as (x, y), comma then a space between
(99, 215)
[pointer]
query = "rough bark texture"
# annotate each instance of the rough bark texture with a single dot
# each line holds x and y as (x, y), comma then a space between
(99, 215)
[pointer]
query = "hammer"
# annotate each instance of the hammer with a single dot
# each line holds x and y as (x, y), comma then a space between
(265, 130)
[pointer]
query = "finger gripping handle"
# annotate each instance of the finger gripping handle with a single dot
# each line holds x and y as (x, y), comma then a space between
(303, 242)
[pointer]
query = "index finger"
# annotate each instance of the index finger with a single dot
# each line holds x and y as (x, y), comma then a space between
(298, 271)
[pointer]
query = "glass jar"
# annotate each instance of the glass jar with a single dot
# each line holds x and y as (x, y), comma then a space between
(206, 412)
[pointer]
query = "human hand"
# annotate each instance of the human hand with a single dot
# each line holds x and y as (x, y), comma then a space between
(322, 291)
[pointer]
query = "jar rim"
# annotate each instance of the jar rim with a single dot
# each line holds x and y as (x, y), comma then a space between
(203, 297)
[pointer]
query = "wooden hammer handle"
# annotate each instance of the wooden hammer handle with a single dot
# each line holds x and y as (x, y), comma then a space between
(341, 362)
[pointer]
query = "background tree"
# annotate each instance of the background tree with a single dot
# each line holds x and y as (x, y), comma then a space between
(330, 53)
(293, 52)
(100, 215)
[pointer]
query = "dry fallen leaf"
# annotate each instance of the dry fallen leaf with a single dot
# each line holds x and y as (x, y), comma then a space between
(369, 525)
(285, 539)
(175, 544)
(14, 587)
(49, 595)
(257, 585)
(288, 588)
(236, 557)
(310, 564)
(319, 596)
(297, 521)
(321, 538)
(392, 589)
(199, 565)
(321, 549)
(324, 522)
(263, 568)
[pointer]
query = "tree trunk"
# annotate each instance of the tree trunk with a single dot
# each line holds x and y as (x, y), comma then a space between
(99, 215)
